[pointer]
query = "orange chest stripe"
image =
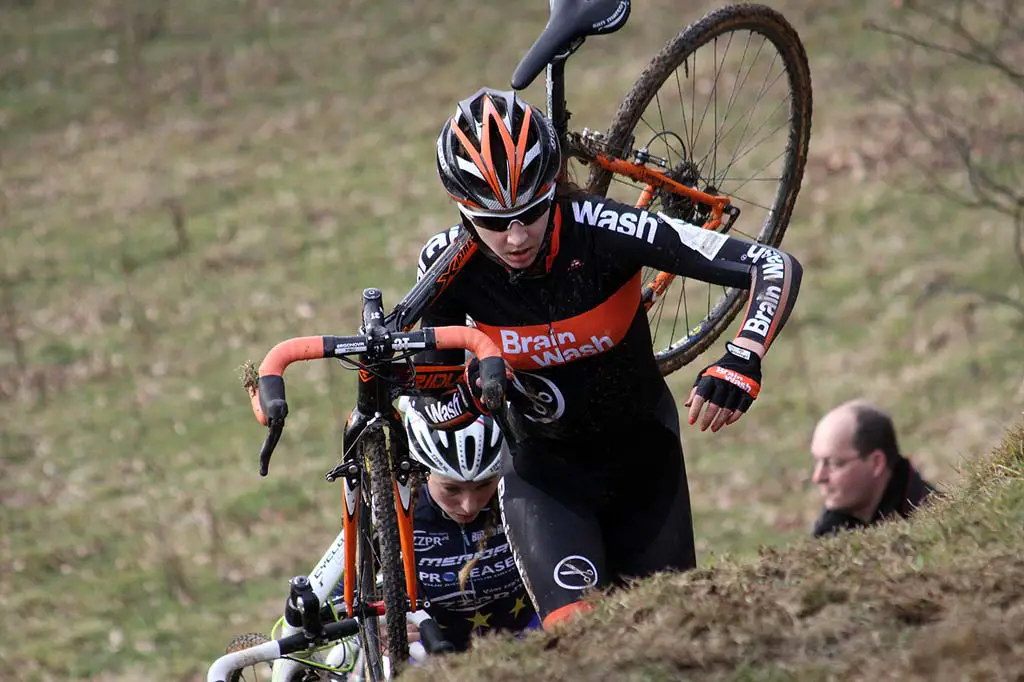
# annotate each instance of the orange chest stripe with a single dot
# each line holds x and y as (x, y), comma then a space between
(536, 346)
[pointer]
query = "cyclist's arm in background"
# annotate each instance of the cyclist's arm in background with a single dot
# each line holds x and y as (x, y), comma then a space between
(443, 402)
(772, 276)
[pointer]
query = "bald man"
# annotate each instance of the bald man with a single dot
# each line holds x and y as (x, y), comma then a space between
(859, 470)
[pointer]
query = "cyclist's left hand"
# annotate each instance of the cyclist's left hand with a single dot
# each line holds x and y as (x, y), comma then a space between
(728, 387)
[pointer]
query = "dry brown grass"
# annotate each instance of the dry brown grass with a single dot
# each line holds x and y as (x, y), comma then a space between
(176, 199)
(937, 597)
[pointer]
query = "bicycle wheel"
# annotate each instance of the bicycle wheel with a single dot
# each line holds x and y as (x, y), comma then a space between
(392, 571)
(268, 672)
(723, 156)
(254, 673)
(369, 589)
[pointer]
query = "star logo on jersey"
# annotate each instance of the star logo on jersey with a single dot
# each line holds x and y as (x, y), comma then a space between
(479, 620)
(575, 264)
(518, 606)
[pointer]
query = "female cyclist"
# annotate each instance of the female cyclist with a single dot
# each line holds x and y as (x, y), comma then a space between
(464, 566)
(597, 491)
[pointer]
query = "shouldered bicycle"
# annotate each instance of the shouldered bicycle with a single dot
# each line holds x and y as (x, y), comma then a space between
(706, 173)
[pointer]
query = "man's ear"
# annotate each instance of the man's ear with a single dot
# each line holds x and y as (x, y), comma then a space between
(878, 463)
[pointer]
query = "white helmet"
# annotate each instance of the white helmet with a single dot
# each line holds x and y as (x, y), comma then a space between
(473, 453)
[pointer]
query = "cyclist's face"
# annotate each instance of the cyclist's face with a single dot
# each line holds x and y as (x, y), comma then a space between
(461, 500)
(519, 245)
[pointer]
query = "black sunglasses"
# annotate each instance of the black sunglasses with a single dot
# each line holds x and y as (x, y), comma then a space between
(501, 222)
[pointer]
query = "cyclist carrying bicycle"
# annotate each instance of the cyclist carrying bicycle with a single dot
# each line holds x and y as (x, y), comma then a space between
(597, 491)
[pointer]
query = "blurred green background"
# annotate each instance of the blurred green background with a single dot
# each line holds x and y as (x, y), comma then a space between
(184, 184)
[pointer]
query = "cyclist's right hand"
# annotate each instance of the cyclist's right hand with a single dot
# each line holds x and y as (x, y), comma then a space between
(412, 631)
(463, 403)
(473, 385)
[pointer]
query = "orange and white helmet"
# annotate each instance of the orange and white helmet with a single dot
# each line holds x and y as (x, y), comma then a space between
(497, 154)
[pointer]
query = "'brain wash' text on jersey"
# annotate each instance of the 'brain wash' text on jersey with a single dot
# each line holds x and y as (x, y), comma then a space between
(556, 349)
(767, 305)
(774, 268)
(643, 226)
(580, 332)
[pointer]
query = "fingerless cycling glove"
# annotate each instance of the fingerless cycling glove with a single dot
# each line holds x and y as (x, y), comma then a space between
(734, 381)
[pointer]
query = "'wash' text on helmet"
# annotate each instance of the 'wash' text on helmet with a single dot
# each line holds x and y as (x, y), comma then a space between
(472, 453)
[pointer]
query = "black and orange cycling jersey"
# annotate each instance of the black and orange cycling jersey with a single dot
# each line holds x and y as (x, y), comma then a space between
(596, 491)
(576, 335)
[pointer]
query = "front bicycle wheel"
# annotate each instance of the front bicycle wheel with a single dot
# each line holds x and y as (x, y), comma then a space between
(389, 556)
(740, 80)
(369, 589)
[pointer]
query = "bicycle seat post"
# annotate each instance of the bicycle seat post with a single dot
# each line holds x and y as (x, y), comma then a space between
(556, 105)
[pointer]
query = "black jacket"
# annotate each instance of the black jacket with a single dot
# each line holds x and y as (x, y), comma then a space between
(906, 492)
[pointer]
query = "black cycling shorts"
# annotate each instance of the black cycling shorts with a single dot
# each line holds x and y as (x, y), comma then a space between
(593, 512)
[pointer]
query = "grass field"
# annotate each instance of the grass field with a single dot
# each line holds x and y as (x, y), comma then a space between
(182, 185)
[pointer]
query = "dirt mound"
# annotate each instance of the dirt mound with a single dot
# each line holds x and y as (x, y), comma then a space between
(934, 598)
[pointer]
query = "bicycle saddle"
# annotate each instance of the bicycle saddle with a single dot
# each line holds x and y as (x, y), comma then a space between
(570, 21)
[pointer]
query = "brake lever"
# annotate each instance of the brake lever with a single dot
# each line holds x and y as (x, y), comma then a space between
(275, 408)
(507, 417)
(275, 427)
(493, 382)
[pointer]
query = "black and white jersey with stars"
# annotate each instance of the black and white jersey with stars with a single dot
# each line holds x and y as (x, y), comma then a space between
(494, 597)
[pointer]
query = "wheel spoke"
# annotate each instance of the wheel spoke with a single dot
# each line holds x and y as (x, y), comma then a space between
(741, 138)
(679, 152)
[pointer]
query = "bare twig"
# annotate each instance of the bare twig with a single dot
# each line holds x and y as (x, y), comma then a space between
(979, 49)
(1018, 235)
(137, 25)
(216, 537)
(176, 578)
(988, 34)
(9, 322)
(799, 342)
(988, 297)
(984, 58)
(177, 211)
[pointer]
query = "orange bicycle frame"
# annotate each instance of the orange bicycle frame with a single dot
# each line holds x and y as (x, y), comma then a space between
(653, 180)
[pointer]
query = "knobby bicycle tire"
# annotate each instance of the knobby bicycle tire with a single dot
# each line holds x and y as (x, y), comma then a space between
(367, 585)
(773, 26)
(391, 567)
(240, 643)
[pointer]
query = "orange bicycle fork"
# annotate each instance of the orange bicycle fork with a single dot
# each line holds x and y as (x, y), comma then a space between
(352, 471)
